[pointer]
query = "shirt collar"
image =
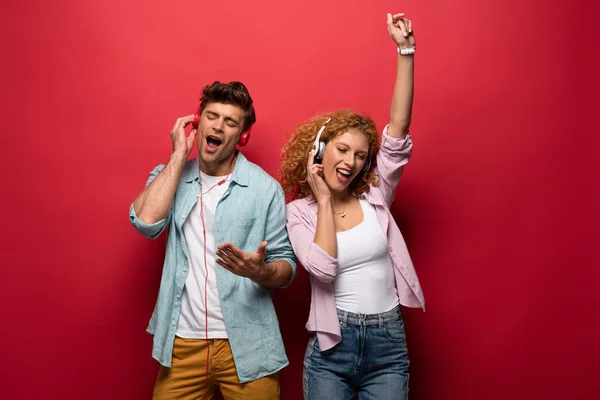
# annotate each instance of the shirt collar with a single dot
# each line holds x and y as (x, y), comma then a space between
(240, 174)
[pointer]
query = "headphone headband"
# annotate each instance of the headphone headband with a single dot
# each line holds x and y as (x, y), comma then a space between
(318, 146)
(318, 138)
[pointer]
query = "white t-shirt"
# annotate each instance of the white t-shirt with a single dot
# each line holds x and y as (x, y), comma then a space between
(192, 319)
(365, 278)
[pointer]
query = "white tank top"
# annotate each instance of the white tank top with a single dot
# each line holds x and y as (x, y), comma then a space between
(365, 278)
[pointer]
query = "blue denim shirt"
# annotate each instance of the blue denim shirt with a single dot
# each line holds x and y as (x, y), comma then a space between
(251, 210)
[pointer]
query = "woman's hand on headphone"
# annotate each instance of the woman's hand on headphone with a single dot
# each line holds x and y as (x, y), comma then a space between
(314, 177)
(182, 143)
(400, 29)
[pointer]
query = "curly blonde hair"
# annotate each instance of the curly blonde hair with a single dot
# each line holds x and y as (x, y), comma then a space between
(295, 151)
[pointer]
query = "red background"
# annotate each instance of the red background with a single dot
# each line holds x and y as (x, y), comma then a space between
(498, 205)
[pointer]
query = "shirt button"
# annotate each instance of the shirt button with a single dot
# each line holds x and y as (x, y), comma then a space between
(178, 297)
(185, 270)
(173, 323)
(183, 217)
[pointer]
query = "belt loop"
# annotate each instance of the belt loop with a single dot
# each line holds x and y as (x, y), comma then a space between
(344, 318)
(380, 320)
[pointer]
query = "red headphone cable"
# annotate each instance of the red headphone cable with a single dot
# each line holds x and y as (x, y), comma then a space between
(222, 181)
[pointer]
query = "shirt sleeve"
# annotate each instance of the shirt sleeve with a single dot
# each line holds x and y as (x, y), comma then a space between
(302, 234)
(279, 246)
(154, 230)
(393, 155)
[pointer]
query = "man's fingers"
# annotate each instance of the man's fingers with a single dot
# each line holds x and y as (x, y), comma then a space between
(232, 250)
(224, 265)
(232, 261)
(175, 125)
(192, 135)
(188, 119)
(223, 255)
(262, 249)
(230, 258)
(182, 122)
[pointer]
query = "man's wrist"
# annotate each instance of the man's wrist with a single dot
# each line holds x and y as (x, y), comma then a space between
(178, 158)
(266, 274)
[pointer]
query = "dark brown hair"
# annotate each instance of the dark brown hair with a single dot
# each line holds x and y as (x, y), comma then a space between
(234, 93)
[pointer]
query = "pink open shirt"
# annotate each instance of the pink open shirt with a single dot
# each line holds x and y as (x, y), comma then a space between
(302, 225)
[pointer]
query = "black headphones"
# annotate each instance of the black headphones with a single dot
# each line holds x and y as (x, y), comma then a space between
(319, 148)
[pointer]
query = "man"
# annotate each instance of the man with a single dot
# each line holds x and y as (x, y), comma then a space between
(215, 326)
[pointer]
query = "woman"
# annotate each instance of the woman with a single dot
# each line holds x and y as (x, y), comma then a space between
(343, 233)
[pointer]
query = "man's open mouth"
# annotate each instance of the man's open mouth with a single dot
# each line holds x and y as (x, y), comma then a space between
(213, 142)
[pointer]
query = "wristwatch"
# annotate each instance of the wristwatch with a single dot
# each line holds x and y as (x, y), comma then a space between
(407, 51)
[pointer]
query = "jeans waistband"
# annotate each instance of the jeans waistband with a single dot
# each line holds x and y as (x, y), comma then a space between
(347, 317)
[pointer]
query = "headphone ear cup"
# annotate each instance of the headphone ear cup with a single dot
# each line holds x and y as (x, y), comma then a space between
(196, 120)
(320, 151)
(244, 138)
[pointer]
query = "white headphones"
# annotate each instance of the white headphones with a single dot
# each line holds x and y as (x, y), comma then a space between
(319, 148)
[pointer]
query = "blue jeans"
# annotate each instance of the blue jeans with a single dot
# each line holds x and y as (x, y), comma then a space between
(371, 359)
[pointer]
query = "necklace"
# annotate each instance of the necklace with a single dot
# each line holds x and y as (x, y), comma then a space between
(341, 213)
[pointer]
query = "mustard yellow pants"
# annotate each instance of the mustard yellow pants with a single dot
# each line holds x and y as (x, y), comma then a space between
(187, 377)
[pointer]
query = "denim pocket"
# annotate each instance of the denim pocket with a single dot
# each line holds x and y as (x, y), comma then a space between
(395, 331)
